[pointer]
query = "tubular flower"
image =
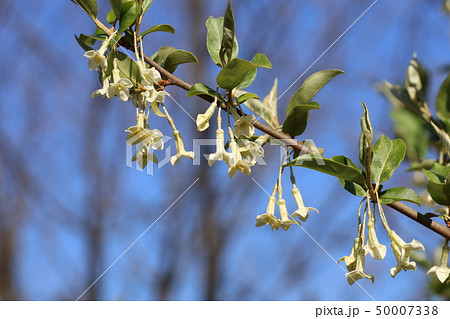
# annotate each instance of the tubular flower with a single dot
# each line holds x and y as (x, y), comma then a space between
(181, 152)
(142, 134)
(235, 161)
(350, 261)
(244, 125)
(359, 271)
(373, 247)
(285, 221)
(442, 271)
(203, 119)
(302, 212)
(251, 151)
(97, 57)
(402, 252)
(269, 216)
(221, 154)
(104, 89)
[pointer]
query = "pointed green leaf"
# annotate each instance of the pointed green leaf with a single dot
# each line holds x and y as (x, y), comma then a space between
(261, 61)
(351, 187)
(443, 103)
(226, 48)
(270, 101)
(159, 28)
(248, 79)
(330, 167)
(297, 119)
(116, 5)
(365, 139)
(90, 6)
(413, 130)
(177, 57)
(310, 87)
(387, 156)
(397, 194)
(200, 89)
(128, 15)
(214, 40)
(81, 41)
(233, 74)
(245, 97)
(440, 192)
(161, 56)
(146, 5)
(257, 107)
(111, 17)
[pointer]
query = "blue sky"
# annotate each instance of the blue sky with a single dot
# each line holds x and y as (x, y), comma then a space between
(48, 85)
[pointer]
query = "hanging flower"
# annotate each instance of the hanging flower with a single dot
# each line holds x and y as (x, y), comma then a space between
(269, 217)
(97, 57)
(302, 212)
(104, 89)
(402, 252)
(285, 221)
(235, 161)
(350, 261)
(359, 271)
(251, 151)
(244, 125)
(442, 271)
(373, 247)
(181, 152)
(203, 119)
(221, 154)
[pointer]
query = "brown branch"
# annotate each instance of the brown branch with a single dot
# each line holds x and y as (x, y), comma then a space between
(299, 146)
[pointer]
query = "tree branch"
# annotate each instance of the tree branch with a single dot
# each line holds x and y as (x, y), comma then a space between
(299, 146)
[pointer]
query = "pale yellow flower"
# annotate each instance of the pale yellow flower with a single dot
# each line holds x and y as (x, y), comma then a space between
(302, 212)
(181, 152)
(203, 119)
(359, 271)
(235, 161)
(244, 125)
(442, 271)
(402, 252)
(269, 217)
(373, 247)
(285, 221)
(221, 154)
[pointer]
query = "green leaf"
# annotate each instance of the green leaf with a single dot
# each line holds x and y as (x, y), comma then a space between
(82, 42)
(387, 156)
(127, 67)
(128, 15)
(111, 17)
(261, 61)
(437, 173)
(159, 28)
(116, 5)
(297, 119)
(234, 73)
(310, 87)
(177, 57)
(214, 39)
(440, 192)
(248, 79)
(226, 48)
(416, 81)
(413, 130)
(351, 187)
(161, 56)
(146, 5)
(330, 167)
(245, 97)
(397, 194)
(90, 6)
(443, 103)
(200, 89)
(365, 139)
(259, 108)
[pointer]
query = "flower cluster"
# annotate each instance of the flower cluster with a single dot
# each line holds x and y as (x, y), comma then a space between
(144, 92)
(287, 220)
(244, 153)
(355, 262)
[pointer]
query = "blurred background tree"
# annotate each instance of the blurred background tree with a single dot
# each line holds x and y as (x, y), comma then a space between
(69, 205)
